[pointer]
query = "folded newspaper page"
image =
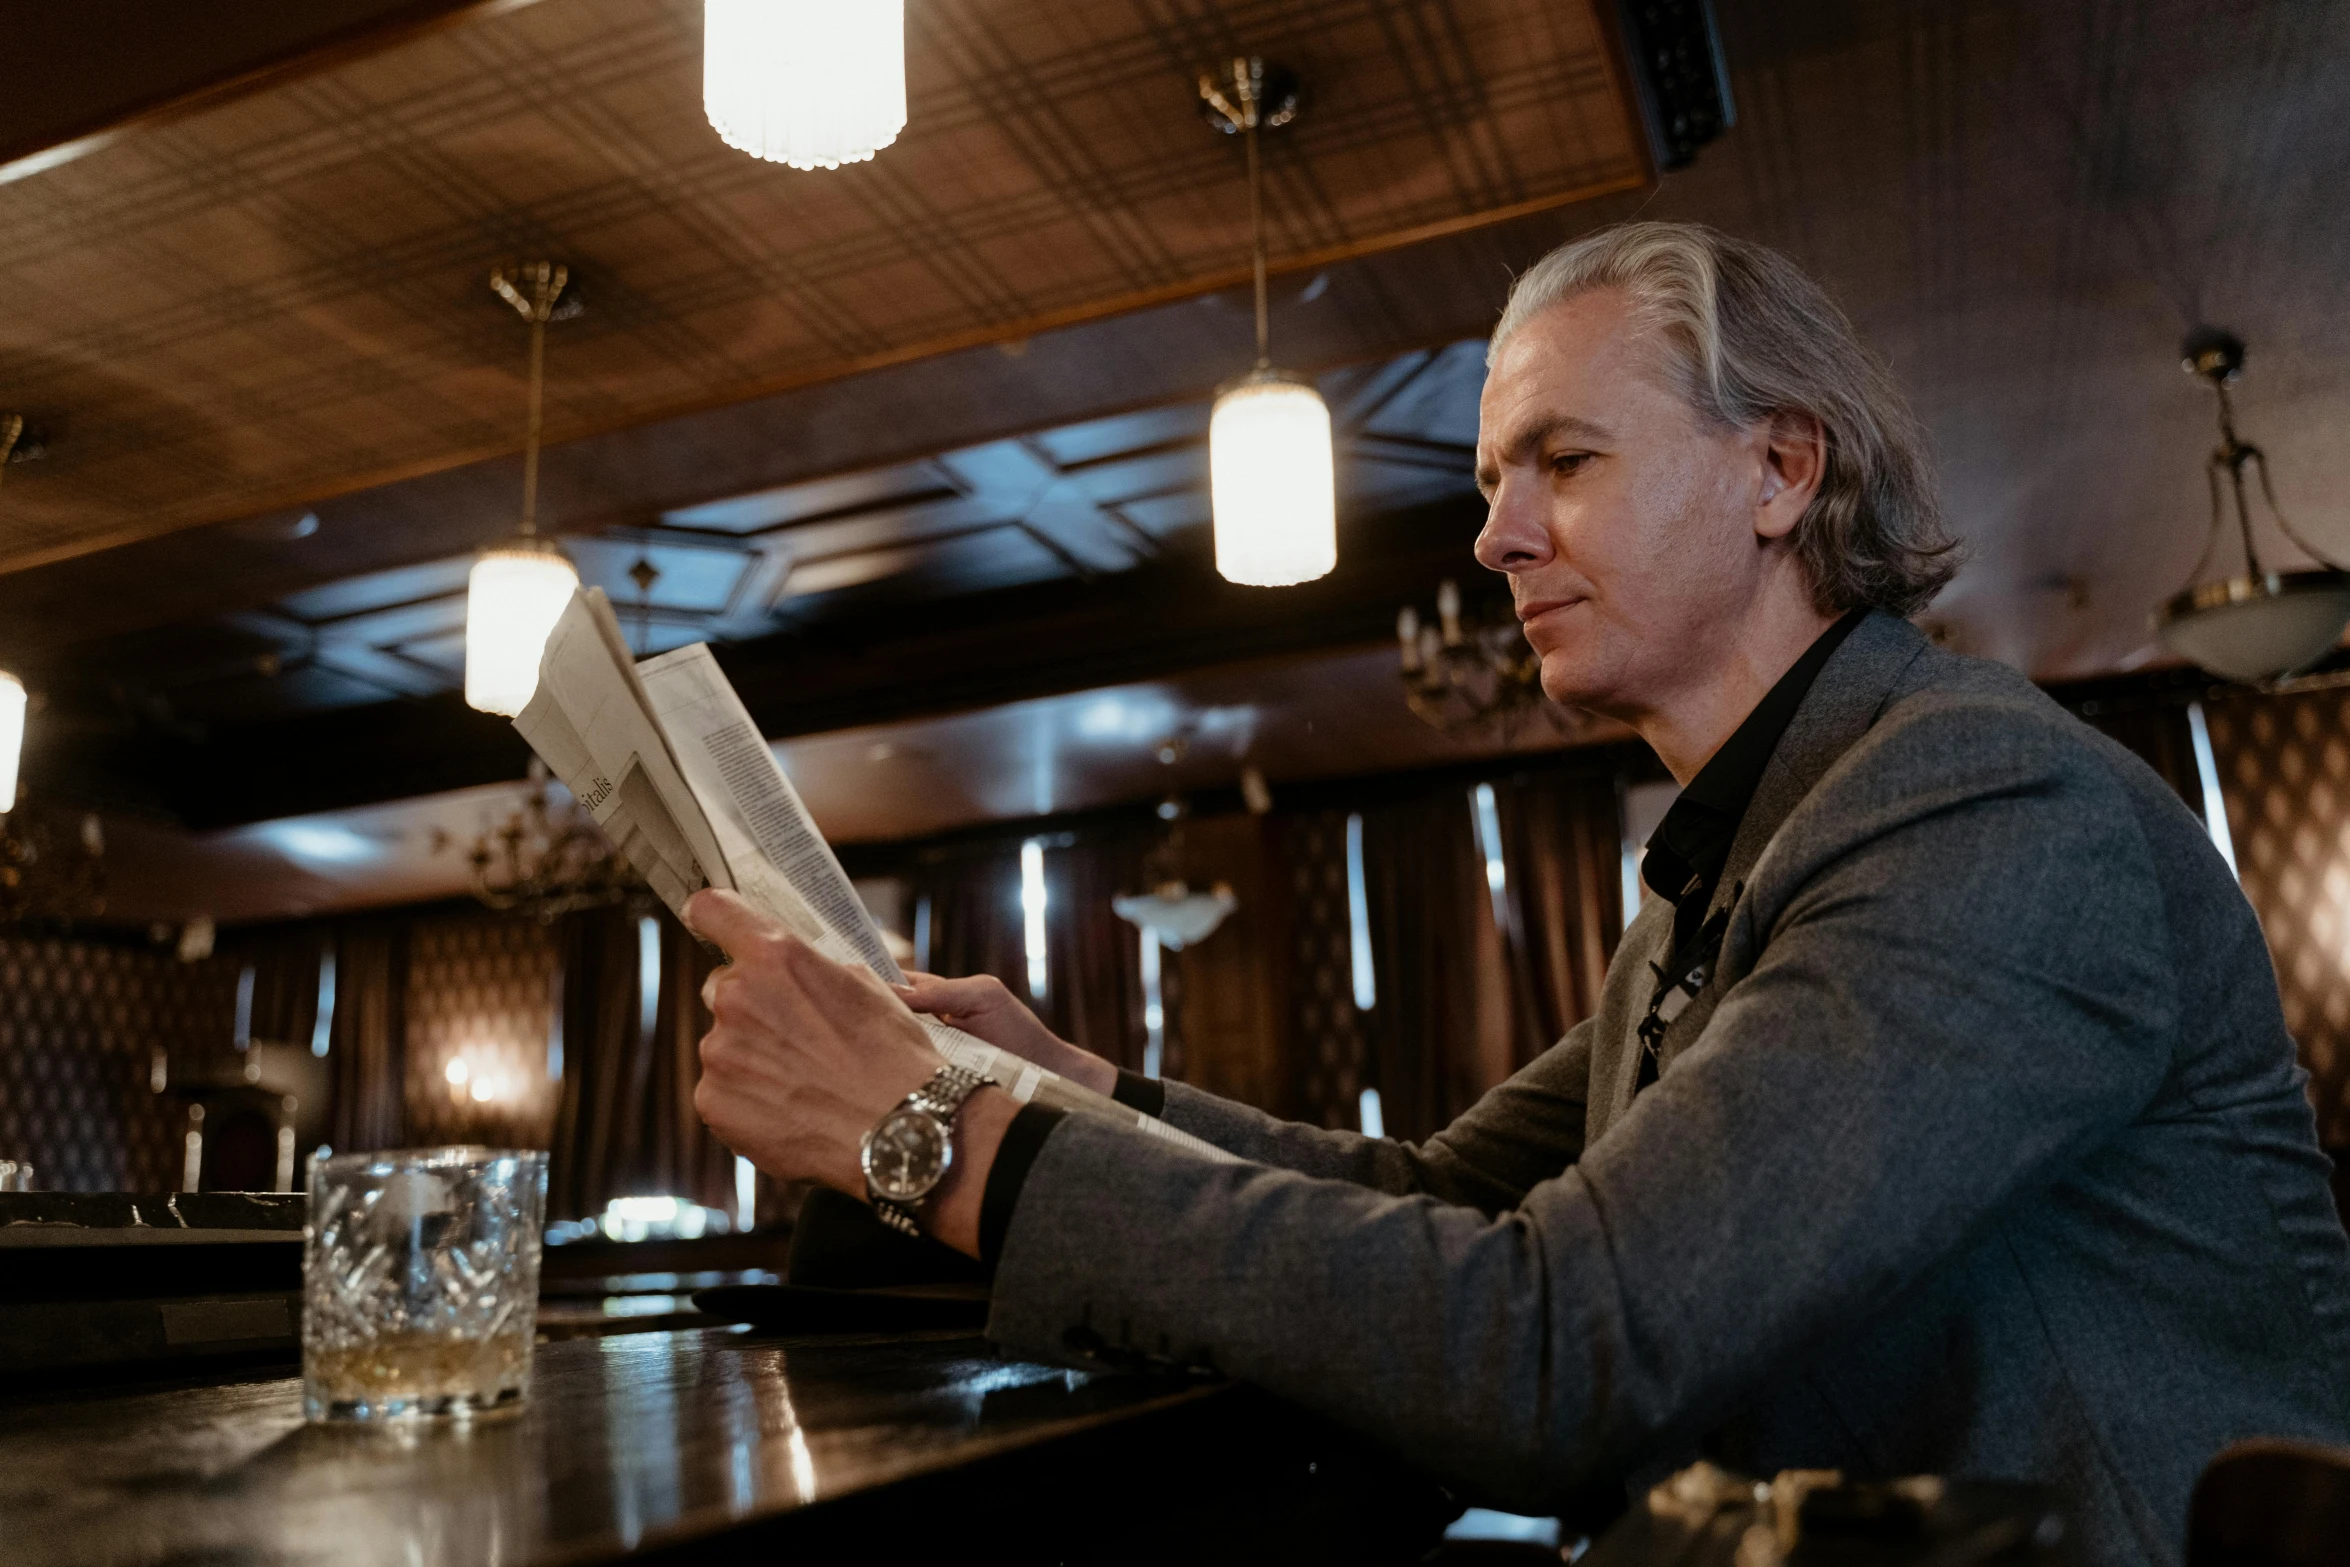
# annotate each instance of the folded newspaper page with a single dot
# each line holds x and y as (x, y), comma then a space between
(667, 760)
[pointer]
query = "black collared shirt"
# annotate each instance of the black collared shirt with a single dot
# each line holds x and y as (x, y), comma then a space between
(1690, 846)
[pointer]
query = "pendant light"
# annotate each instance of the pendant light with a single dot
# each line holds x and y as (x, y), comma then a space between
(1271, 480)
(809, 83)
(518, 590)
(12, 697)
(2265, 624)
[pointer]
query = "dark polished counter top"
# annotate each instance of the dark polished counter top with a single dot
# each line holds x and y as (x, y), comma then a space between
(706, 1443)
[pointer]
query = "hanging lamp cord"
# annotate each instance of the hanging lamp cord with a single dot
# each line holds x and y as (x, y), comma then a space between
(530, 444)
(545, 281)
(1248, 81)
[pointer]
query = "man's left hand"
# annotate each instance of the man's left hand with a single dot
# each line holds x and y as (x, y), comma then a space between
(806, 1054)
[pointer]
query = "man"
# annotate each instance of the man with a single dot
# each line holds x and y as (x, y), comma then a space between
(1938, 1115)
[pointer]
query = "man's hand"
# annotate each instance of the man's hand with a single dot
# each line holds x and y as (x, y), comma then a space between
(806, 1054)
(985, 1008)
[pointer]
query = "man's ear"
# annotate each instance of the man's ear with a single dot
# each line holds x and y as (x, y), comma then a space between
(1795, 459)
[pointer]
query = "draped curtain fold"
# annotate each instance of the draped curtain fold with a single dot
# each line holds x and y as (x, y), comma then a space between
(368, 1043)
(975, 920)
(1092, 957)
(1424, 882)
(285, 982)
(1562, 849)
(625, 1124)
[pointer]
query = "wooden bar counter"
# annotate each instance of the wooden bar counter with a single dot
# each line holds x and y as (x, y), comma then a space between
(710, 1444)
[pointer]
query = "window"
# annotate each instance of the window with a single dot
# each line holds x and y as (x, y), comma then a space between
(243, 1037)
(1154, 1005)
(746, 1193)
(648, 975)
(1032, 904)
(322, 1032)
(2215, 806)
(1358, 917)
(1486, 818)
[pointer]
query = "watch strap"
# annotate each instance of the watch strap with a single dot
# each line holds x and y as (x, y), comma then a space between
(941, 1097)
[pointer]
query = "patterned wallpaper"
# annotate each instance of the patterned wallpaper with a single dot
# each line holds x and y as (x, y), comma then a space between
(481, 989)
(2284, 767)
(80, 1022)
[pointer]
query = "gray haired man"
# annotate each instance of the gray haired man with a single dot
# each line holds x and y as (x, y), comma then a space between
(1938, 1114)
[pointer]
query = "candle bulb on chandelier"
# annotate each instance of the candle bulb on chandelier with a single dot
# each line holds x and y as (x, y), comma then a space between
(1448, 610)
(1407, 632)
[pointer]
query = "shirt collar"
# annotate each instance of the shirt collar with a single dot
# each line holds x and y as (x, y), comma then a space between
(1691, 842)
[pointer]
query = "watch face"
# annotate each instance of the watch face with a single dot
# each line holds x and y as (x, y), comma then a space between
(906, 1155)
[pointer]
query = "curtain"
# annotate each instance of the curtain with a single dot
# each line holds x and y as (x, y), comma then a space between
(625, 1124)
(285, 982)
(1561, 847)
(690, 1159)
(368, 1045)
(975, 923)
(600, 1010)
(1424, 882)
(1093, 959)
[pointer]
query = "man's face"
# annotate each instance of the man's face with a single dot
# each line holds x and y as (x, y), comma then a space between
(1624, 520)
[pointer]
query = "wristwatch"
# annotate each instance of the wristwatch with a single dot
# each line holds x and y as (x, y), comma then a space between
(911, 1150)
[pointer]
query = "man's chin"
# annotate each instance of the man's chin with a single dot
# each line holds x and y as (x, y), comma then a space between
(1573, 681)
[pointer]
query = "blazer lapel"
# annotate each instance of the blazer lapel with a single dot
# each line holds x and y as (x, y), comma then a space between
(1843, 702)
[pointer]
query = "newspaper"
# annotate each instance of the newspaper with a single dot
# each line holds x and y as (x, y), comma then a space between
(665, 757)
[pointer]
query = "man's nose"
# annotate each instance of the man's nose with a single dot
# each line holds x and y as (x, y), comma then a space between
(1513, 538)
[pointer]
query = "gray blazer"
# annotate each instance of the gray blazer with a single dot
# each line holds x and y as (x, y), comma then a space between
(1983, 1153)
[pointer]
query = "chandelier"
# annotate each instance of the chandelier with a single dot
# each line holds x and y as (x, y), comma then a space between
(518, 590)
(1271, 484)
(1171, 910)
(548, 859)
(2263, 625)
(1459, 677)
(52, 864)
(812, 84)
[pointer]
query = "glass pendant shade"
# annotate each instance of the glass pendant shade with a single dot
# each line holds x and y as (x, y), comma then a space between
(1175, 914)
(2258, 628)
(809, 83)
(512, 601)
(11, 737)
(1271, 482)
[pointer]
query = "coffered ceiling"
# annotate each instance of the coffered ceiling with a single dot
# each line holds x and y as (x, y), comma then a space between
(275, 311)
(284, 299)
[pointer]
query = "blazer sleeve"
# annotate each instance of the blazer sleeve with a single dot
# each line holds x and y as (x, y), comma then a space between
(1526, 1130)
(1964, 990)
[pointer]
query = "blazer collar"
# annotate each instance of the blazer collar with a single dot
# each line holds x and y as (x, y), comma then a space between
(1843, 702)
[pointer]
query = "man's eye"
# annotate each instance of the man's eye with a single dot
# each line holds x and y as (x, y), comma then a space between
(1568, 462)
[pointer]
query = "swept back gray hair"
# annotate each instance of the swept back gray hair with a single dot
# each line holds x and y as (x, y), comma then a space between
(1752, 340)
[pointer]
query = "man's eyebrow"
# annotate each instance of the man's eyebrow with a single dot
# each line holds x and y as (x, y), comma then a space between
(1536, 431)
(1529, 436)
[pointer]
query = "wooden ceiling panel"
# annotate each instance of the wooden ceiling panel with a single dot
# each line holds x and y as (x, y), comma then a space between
(282, 299)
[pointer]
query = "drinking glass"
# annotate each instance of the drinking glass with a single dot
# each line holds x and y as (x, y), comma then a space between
(420, 1282)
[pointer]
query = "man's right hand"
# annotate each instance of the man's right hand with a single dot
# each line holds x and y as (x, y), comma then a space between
(983, 1007)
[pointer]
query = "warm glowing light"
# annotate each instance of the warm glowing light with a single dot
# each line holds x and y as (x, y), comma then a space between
(810, 83)
(458, 1071)
(1271, 482)
(484, 1090)
(11, 737)
(512, 601)
(1033, 902)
